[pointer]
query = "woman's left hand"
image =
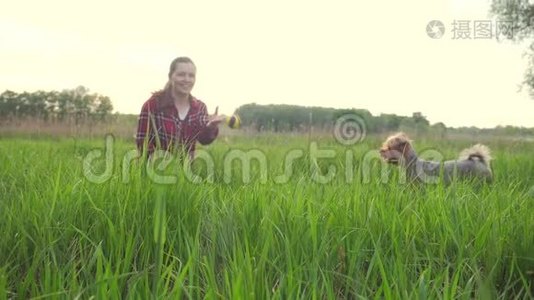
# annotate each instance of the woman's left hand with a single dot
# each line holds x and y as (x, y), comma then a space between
(215, 119)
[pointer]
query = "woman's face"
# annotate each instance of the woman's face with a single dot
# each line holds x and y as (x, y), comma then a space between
(183, 78)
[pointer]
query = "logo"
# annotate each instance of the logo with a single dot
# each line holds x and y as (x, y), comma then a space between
(350, 129)
(435, 29)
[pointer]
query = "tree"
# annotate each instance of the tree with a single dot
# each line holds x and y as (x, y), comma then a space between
(439, 129)
(8, 104)
(77, 103)
(518, 16)
(103, 107)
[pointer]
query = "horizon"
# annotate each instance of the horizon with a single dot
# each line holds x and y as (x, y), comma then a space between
(374, 115)
(339, 55)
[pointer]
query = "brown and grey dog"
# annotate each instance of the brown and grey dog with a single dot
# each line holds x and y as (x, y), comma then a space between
(473, 162)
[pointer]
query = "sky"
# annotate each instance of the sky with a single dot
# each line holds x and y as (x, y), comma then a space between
(373, 55)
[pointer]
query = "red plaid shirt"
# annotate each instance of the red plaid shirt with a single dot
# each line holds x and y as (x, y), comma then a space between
(160, 127)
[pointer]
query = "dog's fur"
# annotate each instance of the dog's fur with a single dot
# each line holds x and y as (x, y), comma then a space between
(473, 162)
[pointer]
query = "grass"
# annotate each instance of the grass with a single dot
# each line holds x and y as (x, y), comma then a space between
(65, 237)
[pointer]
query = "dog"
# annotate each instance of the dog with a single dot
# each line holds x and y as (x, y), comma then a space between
(473, 162)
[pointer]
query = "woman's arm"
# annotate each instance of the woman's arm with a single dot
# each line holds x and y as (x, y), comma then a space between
(144, 137)
(210, 131)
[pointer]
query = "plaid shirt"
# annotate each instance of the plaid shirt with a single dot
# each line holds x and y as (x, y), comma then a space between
(160, 127)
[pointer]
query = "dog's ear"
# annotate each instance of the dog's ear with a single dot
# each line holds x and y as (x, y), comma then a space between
(404, 145)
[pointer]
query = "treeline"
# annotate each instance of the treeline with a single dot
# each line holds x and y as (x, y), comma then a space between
(280, 118)
(76, 105)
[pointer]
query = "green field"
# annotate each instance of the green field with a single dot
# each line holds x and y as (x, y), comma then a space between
(69, 231)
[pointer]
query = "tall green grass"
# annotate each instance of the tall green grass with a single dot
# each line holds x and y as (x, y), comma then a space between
(64, 237)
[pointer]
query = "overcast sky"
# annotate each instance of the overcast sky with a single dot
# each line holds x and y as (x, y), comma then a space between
(374, 55)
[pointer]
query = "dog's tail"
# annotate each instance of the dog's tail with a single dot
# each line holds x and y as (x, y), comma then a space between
(477, 152)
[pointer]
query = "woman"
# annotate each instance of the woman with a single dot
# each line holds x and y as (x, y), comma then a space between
(172, 119)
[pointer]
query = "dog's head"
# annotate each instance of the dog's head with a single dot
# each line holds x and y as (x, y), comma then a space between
(396, 148)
